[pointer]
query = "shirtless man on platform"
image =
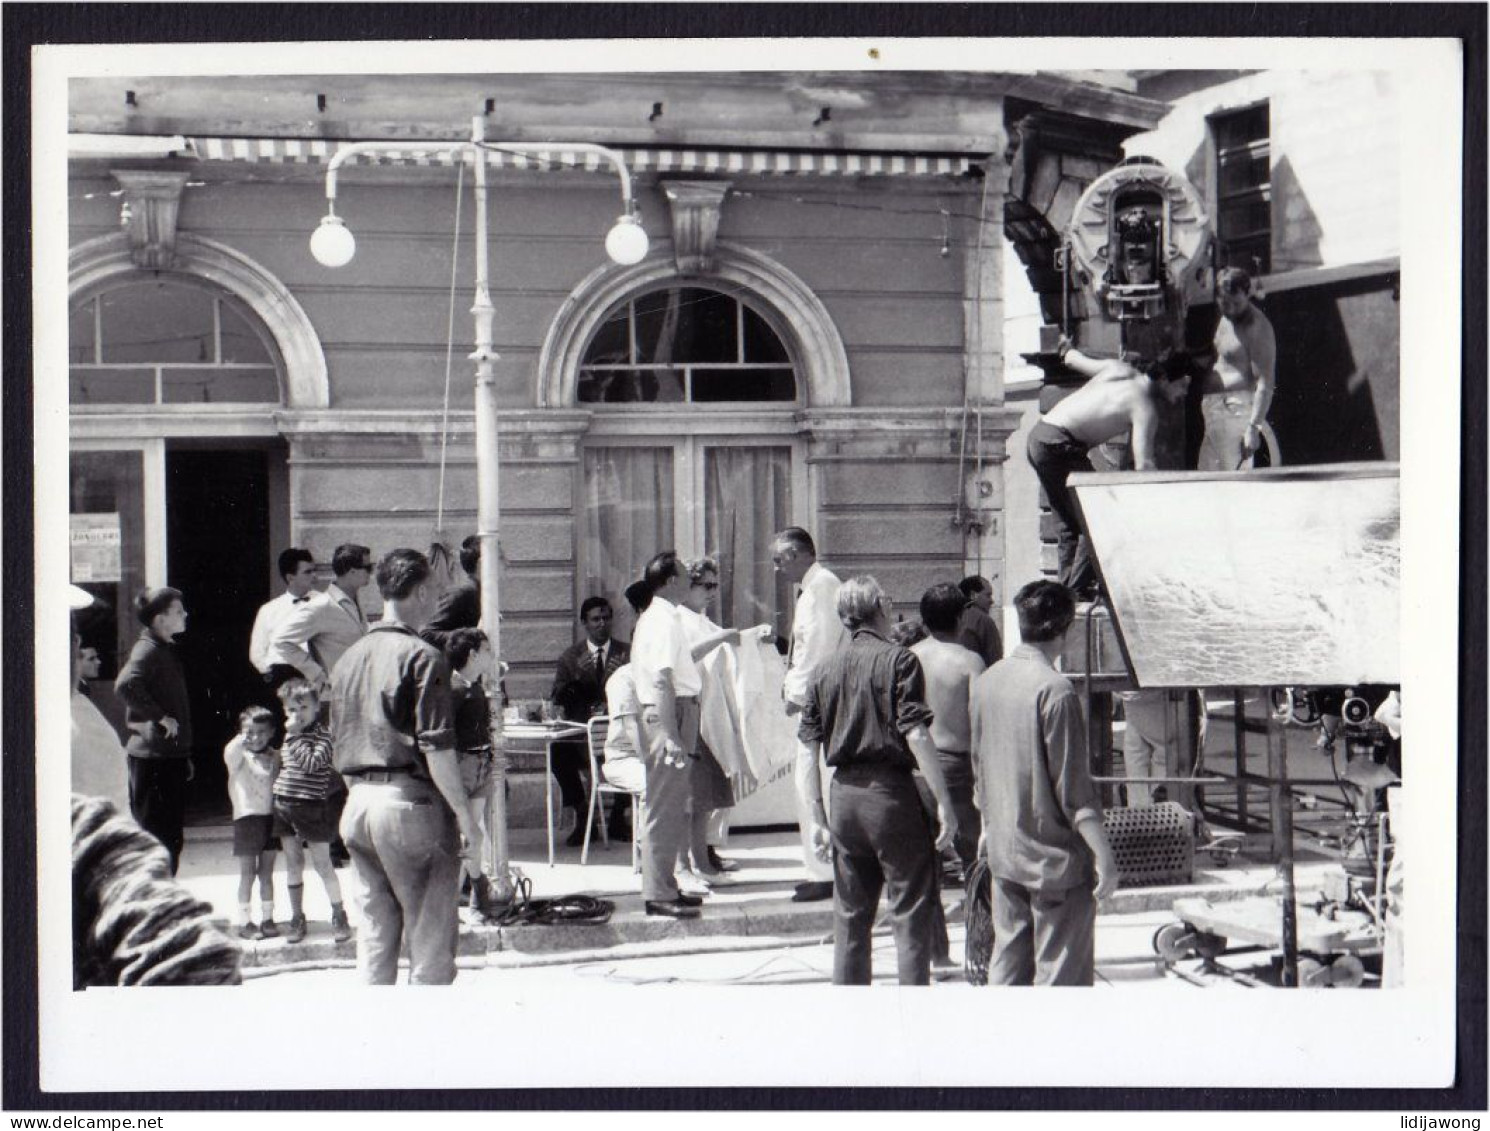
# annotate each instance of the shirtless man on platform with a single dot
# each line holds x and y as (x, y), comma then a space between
(1120, 396)
(1239, 389)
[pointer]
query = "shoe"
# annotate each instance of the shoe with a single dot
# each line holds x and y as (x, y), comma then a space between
(720, 864)
(813, 891)
(268, 930)
(296, 933)
(689, 900)
(577, 837)
(672, 909)
(248, 931)
(691, 882)
(341, 930)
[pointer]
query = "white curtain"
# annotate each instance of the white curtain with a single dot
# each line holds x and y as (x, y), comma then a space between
(747, 493)
(628, 517)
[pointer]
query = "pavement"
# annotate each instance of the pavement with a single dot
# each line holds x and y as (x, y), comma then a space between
(753, 912)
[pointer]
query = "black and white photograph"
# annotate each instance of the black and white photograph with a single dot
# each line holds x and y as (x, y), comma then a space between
(867, 562)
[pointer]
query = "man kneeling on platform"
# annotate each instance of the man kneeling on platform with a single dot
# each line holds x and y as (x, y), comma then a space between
(1120, 396)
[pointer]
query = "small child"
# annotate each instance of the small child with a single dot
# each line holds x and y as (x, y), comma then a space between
(468, 651)
(302, 809)
(252, 767)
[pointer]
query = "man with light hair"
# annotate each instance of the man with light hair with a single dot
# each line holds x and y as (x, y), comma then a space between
(816, 635)
(866, 713)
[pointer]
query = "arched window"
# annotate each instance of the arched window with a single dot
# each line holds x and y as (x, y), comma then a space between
(685, 345)
(165, 341)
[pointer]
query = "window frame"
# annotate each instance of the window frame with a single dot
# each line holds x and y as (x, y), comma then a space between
(1254, 191)
(793, 364)
(218, 295)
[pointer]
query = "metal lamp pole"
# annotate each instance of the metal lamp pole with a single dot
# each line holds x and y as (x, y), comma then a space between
(333, 245)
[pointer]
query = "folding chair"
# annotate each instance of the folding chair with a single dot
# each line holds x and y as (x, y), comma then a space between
(595, 732)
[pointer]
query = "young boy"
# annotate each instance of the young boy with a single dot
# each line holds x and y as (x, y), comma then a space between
(468, 651)
(300, 805)
(252, 767)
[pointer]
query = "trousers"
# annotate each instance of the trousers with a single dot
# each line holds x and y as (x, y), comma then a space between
(669, 788)
(405, 856)
(1042, 938)
(1226, 416)
(818, 871)
(1054, 454)
(157, 801)
(881, 842)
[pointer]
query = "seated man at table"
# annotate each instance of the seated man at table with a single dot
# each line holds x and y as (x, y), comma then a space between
(578, 693)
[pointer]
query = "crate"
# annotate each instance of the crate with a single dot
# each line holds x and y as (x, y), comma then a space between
(1153, 844)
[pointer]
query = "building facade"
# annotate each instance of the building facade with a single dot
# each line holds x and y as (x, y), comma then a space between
(816, 336)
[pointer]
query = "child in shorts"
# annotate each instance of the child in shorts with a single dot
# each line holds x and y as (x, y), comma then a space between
(252, 766)
(468, 651)
(302, 807)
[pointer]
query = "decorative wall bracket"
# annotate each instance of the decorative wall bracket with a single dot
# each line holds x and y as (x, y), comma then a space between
(152, 200)
(695, 211)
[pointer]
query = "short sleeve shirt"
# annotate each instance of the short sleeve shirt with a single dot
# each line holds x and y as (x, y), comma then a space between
(621, 701)
(659, 643)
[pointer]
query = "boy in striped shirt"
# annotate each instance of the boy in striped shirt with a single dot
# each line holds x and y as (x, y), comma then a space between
(301, 790)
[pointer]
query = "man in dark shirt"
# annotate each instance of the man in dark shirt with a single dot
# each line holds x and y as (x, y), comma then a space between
(157, 712)
(395, 745)
(866, 712)
(975, 628)
(1041, 817)
(459, 606)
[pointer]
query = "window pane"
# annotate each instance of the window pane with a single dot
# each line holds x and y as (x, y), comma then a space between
(630, 386)
(108, 487)
(761, 342)
(1241, 127)
(747, 498)
(111, 386)
(757, 384)
(686, 324)
(240, 342)
(80, 334)
(1243, 170)
(219, 386)
(628, 517)
(611, 344)
(1246, 218)
(155, 322)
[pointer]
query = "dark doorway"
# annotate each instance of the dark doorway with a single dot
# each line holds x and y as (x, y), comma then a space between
(217, 537)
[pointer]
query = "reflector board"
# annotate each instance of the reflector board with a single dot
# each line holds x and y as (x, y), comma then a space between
(1249, 579)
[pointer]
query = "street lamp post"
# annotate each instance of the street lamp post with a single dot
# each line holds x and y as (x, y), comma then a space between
(333, 245)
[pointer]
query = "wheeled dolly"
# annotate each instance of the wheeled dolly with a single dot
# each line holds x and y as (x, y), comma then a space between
(1331, 937)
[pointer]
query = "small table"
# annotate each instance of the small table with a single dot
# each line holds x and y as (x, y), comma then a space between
(546, 734)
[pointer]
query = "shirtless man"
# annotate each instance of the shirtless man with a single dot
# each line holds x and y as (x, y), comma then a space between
(1118, 397)
(1239, 389)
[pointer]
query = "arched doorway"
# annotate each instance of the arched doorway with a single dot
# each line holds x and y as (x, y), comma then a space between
(178, 473)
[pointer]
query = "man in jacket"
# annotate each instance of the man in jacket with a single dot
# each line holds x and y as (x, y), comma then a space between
(157, 712)
(578, 693)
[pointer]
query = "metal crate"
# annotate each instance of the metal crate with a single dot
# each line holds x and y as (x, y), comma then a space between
(1153, 844)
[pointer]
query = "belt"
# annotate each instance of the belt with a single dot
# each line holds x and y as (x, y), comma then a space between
(392, 773)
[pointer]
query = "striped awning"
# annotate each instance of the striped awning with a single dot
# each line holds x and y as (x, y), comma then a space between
(296, 151)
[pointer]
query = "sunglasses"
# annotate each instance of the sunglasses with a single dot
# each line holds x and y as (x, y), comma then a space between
(709, 585)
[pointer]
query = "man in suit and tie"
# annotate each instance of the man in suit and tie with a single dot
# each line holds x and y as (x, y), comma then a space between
(578, 693)
(314, 635)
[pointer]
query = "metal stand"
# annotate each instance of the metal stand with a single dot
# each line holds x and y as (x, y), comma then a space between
(1282, 806)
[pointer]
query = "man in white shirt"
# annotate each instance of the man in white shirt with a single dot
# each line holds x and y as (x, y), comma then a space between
(816, 634)
(297, 569)
(667, 687)
(315, 634)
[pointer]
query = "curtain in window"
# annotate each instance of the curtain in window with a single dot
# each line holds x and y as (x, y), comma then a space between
(628, 517)
(747, 499)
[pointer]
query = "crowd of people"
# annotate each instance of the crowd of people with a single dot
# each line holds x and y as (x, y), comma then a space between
(912, 740)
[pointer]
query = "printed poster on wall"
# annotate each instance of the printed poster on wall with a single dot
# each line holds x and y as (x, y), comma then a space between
(96, 548)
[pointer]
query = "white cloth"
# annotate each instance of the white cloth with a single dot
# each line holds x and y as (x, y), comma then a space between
(816, 630)
(250, 778)
(99, 764)
(660, 644)
(270, 616)
(768, 736)
(316, 634)
(719, 709)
